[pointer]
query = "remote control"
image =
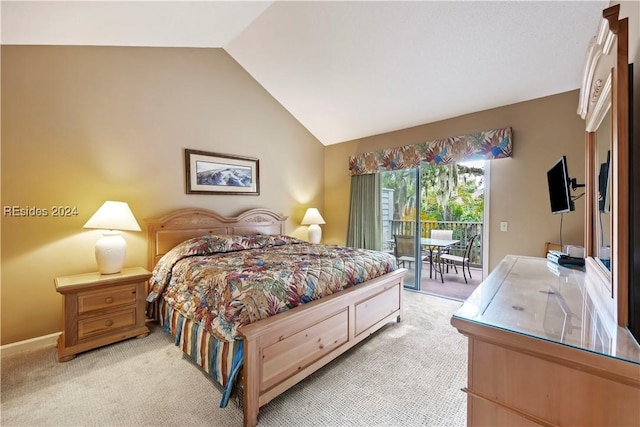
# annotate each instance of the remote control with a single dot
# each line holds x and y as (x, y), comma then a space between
(569, 260)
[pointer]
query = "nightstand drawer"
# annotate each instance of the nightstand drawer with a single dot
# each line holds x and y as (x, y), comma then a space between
(114, 297)
(106, 323)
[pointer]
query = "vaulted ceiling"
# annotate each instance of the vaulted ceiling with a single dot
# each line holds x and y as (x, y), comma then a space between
(348, 70)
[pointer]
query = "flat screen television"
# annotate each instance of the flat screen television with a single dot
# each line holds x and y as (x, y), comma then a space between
(559, 192)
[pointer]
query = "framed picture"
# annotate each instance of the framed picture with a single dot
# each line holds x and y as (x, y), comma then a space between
(215, 173)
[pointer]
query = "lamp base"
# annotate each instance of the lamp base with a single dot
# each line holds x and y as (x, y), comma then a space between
(314, 233)
(111, 249)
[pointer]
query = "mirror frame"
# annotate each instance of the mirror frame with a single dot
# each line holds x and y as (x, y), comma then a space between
(606, 83)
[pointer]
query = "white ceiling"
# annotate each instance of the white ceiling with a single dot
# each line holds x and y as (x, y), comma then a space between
(348, 70)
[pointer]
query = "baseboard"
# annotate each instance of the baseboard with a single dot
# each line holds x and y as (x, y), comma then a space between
(37, 343)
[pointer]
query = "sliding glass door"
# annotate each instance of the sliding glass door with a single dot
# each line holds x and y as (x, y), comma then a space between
(400, 221)
(446, 198)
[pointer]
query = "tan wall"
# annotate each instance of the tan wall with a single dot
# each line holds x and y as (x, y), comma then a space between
(81, 125)
(543, 130)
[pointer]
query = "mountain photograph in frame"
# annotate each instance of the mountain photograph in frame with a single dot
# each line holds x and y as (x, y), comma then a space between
(216, 173)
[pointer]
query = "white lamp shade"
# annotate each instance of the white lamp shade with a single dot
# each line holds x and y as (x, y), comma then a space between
(111, 248)
(312, 218)
(113, 216)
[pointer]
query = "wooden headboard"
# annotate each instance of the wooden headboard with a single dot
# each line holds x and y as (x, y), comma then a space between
(166, 232)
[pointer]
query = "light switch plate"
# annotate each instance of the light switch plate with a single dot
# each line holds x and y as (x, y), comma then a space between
(504, 226)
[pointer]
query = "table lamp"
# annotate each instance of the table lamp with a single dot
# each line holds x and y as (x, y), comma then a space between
(312, 218)
(111, 248)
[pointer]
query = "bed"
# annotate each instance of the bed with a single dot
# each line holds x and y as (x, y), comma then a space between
(265, 355)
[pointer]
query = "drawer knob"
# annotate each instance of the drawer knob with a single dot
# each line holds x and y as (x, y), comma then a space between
(108, 322)
(108, 300)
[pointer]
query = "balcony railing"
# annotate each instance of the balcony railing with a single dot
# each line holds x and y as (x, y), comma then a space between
(462, 231)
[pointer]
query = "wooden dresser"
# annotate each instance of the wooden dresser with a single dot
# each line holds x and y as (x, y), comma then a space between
(541, 353)
(100, 309)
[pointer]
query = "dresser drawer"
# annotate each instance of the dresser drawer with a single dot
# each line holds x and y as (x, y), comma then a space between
(113, 297)
(106, 323)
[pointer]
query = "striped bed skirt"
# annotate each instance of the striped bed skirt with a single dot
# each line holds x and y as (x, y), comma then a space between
(222, 360)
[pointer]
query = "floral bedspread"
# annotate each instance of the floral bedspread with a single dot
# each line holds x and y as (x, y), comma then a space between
(225, 281)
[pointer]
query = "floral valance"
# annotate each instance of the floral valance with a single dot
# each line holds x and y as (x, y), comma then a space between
(486, 145)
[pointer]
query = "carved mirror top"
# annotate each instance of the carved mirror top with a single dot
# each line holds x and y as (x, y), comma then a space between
(595, 95)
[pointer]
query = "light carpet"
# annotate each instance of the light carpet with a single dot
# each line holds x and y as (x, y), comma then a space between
(407, 374)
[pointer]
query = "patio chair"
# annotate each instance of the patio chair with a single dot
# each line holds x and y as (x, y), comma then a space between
(405, 250)
(453, 260)
(442, 235)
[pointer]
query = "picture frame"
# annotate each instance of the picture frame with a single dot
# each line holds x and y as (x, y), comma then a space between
(216, 173)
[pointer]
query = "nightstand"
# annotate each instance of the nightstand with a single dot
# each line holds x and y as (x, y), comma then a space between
(100, 309)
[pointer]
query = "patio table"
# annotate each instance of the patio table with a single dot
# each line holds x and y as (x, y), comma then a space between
(433, 244)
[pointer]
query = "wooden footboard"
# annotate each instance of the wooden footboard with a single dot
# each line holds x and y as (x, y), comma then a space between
(284, 349)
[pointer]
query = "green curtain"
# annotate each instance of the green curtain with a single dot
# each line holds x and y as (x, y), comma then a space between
(363, 230)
